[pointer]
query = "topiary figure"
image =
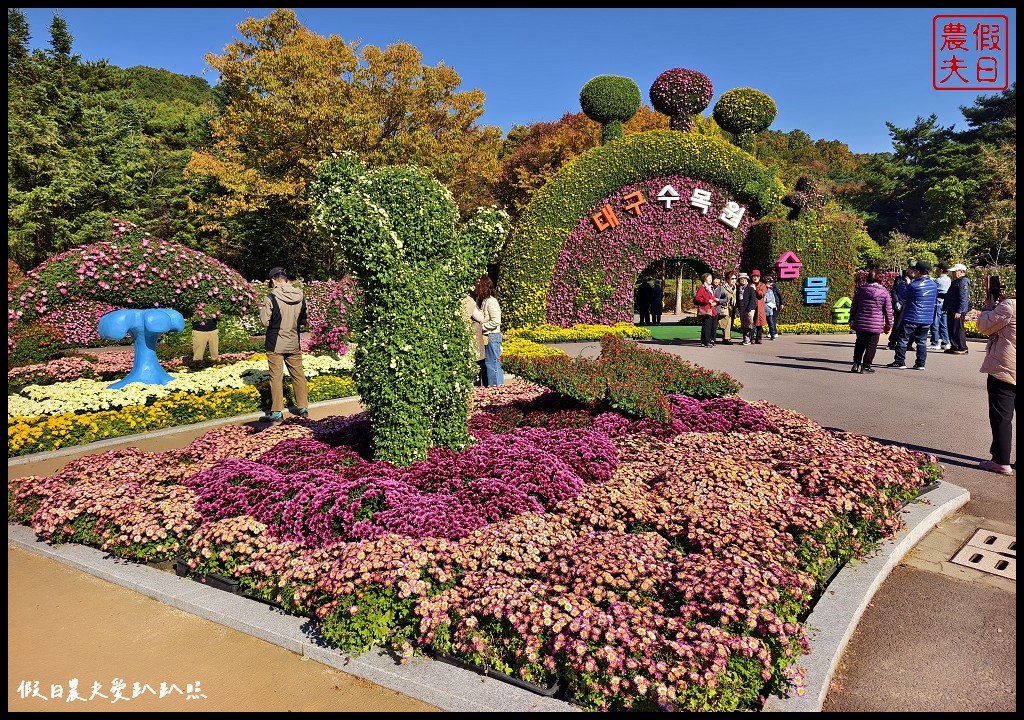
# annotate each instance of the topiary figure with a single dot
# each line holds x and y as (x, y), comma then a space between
(397, 228)
(681, 94)
(610, 100)
(744, 112)
(805, 199)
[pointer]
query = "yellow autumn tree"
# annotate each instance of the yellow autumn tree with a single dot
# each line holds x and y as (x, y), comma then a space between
(294, 98)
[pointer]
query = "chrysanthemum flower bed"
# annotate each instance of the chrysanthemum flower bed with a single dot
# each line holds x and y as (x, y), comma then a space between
(644, 565)
(49, 414)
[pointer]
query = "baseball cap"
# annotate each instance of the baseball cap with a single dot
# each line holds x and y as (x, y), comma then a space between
(959, 266)
(275, 272)
(922, 267)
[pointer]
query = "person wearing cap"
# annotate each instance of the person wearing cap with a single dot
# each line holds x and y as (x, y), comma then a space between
(761, 313)
(918, 312)
(283, 313)
(940, 328)
(999, 321)
(746, 305)
(956, 306)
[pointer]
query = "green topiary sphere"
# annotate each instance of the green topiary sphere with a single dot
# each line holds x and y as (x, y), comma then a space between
(745, 110)
(610, 98)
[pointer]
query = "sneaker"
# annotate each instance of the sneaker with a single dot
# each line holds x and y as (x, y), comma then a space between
(995, 467)
(919, 367)
(867, 369)
(934, 346)
(746, 342)
(771, 337)
(896, 366)
(855, 368)
(945, 346)
(304, 413)
(273, 417)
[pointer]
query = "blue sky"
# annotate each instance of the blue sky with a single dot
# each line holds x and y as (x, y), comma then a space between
(835, 74)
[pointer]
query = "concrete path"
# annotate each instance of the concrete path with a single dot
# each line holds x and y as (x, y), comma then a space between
(909, 630)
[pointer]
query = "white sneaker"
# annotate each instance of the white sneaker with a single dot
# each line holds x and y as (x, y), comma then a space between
(746, 342)
(934, 346)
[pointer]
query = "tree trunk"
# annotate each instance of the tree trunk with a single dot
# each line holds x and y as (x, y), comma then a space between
(679, 293)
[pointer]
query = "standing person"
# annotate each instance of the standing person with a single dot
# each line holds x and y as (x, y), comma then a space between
(761, 315)
(657, 301)
(473, 318)
(283, 313)
(999, 321)
(940, 327)
(205, 333)
(487, 301)
(725, 293)
(771, 305)
(918, 311)
(956, 306)
(779, 303)
(643, 302)
(896, 295)
(704, 300)
(746, 305)
(870, 315)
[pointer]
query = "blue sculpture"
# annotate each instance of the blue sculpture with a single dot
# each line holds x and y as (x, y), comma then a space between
(145, 327)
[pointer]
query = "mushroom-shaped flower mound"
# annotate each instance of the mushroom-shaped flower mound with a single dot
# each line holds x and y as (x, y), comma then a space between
(681, 94)
(610, 100)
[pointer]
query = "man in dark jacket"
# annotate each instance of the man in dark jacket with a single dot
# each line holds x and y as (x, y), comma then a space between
(956, 305)
(657, 301)
(283, 313)
(918, 300)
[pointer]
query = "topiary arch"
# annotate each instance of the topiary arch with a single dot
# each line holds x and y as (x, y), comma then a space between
(562, 265)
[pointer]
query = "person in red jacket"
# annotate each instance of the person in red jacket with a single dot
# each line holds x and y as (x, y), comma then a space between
(706, 303)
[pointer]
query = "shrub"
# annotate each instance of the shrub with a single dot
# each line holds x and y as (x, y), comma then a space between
(37, 342)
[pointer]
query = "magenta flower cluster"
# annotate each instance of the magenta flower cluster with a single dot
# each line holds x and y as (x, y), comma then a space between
(594, 274)
(337, 497)
(680, 94)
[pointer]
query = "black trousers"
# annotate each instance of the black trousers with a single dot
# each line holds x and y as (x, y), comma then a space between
(957, 334)
(865, 347)
(1001, 398)
(707, 329)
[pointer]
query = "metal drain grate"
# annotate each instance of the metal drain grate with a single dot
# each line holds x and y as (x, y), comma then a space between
(989, 552)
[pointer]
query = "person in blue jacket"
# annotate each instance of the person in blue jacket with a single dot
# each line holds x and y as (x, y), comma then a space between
(918, 299)
(956, 306)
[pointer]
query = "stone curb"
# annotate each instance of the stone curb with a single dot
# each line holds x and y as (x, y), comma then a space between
(830, 625)
(445, 686)
(835, 616)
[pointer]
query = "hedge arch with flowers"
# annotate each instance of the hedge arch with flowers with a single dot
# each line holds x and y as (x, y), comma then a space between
(558, 268)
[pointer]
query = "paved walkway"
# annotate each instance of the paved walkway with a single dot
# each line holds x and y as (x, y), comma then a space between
(910, 631)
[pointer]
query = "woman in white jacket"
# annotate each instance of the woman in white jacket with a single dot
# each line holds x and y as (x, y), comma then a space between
(491, 326)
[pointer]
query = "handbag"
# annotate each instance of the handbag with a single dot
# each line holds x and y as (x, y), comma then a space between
(704, 311)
